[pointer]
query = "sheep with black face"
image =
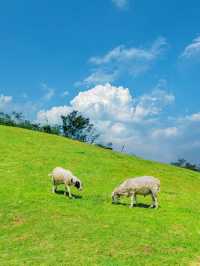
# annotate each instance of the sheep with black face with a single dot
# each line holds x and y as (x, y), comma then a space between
(62, 176)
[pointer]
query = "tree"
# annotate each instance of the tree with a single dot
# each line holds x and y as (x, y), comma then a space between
(50, 129)
(185, 164)
(17, 116)
(6, 119)
(180, 162)
(76, 126)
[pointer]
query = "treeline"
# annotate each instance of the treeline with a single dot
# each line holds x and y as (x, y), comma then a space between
(74, 126)
(185, 164)
(16, 119)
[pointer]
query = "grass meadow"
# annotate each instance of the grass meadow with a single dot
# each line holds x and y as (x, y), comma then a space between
(41, 228)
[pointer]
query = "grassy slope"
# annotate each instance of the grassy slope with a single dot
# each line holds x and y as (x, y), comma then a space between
(39, 228)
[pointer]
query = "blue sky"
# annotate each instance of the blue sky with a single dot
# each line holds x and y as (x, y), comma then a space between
(52, 50)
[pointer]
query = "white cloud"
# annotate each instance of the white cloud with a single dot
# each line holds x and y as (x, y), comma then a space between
(4, 101)
(192, 50)
(105, 102)
(114, 112)
(137, 123)
(100, 77)
(124, 60)
(120, 3)
(118, 129)
(152, 104)
(179, 140)
(122, 54)
(123, 119)
(169, 132)
(53, 116)
(49, 92)
(194, 117)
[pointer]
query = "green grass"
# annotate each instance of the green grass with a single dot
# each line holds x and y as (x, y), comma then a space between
(41, 228)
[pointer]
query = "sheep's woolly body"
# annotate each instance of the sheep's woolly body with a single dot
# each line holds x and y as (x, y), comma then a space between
(145, 185)
(140, 185)
(62, 176)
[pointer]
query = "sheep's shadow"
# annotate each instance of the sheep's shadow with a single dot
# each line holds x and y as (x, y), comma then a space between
(80, 152)
(61, 192)
(170, 192)
(138, 205)
(143, 205)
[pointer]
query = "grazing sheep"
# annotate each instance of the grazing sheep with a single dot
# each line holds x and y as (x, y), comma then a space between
(145, 185)
(62, 176)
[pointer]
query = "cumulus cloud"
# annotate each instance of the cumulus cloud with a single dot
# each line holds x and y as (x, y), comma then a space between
(5, 101)
(120, 3)
(137, 123)
(122, 119)
(124, 60)
(152, 104)
(192, 50)
(53, 116)
(105, 102)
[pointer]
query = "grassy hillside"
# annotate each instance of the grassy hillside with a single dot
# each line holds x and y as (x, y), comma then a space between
(39, 228)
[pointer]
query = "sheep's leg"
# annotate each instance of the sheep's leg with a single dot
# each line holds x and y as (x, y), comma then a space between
(154, 200)
(67, 188)
(133, 200)
(54, 188)
(69, 192)
(65, 191)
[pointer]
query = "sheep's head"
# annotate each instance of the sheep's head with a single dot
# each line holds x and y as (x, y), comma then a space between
(77, 183)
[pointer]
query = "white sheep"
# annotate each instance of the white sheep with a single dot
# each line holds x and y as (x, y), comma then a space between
(145, 185)
(62, 176)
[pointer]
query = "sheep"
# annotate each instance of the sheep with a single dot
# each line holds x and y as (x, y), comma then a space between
(145, 185)
(62, 176)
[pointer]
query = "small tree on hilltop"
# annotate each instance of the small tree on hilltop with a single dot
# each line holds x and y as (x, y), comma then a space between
(76, 126)
(17, 117)
(180, 162)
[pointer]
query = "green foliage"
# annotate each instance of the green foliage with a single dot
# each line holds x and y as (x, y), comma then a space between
(41, 228)
(6, 119)
(184, 164)
(76, 126)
